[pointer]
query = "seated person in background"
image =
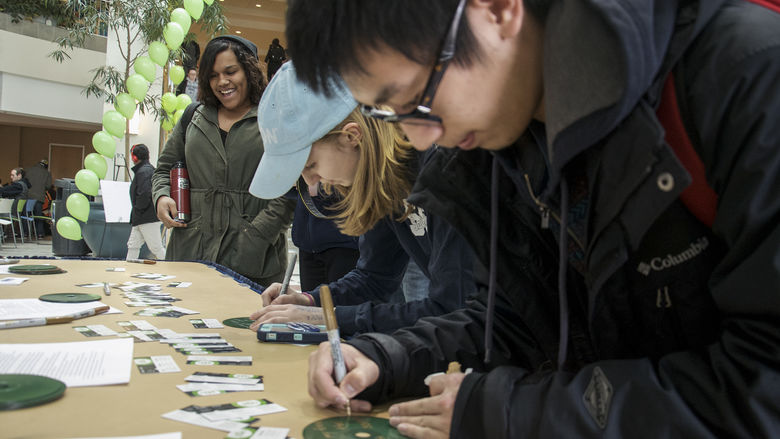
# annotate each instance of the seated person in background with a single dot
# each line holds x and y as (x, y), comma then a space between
(328, 141)
(18, 186)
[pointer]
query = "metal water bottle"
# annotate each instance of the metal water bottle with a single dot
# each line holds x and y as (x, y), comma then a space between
(180, 191)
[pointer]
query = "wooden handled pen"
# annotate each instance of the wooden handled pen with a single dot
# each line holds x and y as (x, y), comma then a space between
(329, 312)
(53, 320)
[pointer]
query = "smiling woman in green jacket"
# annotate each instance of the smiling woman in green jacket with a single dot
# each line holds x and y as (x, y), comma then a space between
(222, 149)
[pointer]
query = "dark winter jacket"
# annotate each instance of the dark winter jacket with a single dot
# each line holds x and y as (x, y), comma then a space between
(141, 195)
(673, 327)
(362, 296)
(16, 189)
(40, 182)
(315, 235)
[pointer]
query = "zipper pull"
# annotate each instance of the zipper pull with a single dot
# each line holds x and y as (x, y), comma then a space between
(545, 218)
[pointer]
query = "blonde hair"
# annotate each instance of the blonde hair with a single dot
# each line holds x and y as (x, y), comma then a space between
(383, 178)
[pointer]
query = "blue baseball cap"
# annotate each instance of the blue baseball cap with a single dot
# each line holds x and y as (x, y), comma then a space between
(291, 116)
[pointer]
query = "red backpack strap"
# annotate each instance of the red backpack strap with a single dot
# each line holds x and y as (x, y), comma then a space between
(700, 199)
(769, 4)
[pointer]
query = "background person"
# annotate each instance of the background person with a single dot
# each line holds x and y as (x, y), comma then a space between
(17, 187)
(557, 111)
(274, 58)
(189, 85)
(143, 217)
(369, 164)
(40, 182)
(222, 149)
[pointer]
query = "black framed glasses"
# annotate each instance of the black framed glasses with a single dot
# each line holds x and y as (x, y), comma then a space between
(421, 115)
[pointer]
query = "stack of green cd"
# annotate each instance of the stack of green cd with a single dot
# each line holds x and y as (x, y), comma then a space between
(239, 322)
(19, 391)
(69, 297)
(35, 269)
(351, 426)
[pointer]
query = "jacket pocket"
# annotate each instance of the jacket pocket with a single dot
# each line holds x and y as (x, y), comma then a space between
(186, 243)
(256, 257)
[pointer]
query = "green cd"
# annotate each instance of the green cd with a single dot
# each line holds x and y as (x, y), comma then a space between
(239, 322)
(35, 269)
(351, 427)
(69, 297)
(18, 391)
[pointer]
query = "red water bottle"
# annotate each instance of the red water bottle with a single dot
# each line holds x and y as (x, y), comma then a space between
(180, 191)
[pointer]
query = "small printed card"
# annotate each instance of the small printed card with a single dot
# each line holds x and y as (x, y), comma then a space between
(224, 378)
(95, 330)
(208, 389)
(115, 269)
(136, 325)
(239, 410)
(212, 360)
(187, 415)
(13, 280)
(153, 276)
(206, 323)
(179, 284)
(156, 364)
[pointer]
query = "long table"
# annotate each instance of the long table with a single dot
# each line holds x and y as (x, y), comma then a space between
(136, 408)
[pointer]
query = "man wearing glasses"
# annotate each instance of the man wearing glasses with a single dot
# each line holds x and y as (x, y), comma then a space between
(617, 306)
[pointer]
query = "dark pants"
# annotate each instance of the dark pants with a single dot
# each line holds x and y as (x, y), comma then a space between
(326, 266)
(40, 225)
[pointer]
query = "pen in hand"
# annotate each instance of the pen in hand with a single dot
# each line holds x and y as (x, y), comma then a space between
(288, 274)
(41, 321)
(339, 368)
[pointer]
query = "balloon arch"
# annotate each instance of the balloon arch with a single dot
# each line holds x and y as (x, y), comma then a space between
(125, 104)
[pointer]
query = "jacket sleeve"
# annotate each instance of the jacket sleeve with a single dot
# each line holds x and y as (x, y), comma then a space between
(449, 269)
(376, 277)
(143, 189)
(171, 153)
(728, 388)
(275, 217)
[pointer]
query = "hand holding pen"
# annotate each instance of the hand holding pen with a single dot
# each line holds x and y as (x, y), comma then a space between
(339, 367)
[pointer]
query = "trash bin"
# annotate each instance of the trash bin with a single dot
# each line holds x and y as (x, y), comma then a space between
(61, 246)
(107, 240)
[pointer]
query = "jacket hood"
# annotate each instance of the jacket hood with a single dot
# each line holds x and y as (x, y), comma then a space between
(591, 84)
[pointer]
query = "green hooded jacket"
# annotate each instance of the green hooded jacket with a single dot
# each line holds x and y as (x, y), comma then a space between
(227, 225)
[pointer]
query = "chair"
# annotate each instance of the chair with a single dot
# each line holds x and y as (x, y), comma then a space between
(6, 218)
(26, 212)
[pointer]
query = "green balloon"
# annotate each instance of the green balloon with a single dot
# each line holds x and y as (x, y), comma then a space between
(177, 115)
(169, 102)
(194, 7)
(114, 123)
(173, 34)
(183, 100)
(145, 67)
(209, 2)
(78, 206)
(167, 124)
(176, 74)
(68, 228)
(97, 164)
(104, 144)
(181, 17)
(137, 85)
(88, 182)
(125, 105)
(158, 53)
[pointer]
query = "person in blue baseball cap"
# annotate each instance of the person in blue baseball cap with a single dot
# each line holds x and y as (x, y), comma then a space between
(328, 142)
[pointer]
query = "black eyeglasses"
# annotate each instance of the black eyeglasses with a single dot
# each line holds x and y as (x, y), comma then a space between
(421, 115)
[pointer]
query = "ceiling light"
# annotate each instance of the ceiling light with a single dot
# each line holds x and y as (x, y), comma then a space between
(238, 31)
